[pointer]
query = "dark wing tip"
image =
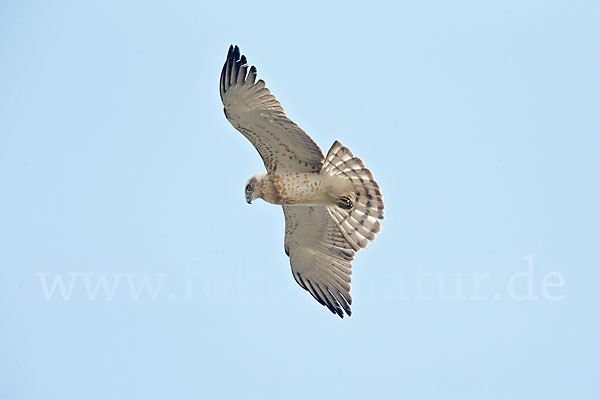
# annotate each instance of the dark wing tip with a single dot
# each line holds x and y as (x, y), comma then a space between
(231, 67)
(336, 309)
(234, 63)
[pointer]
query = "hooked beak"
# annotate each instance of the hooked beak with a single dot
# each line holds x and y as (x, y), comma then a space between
(249, 198)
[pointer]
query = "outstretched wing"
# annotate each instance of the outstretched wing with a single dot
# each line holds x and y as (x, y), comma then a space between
(319, 255)
(256, 113)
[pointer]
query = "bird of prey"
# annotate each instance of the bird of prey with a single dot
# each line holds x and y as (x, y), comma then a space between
(331, 204)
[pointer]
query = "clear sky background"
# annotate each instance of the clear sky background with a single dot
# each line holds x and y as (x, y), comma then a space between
(479, 120)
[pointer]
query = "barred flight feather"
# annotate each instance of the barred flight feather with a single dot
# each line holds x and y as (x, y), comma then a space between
(359, 223)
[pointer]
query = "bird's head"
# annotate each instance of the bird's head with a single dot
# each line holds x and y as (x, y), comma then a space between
(253, 188)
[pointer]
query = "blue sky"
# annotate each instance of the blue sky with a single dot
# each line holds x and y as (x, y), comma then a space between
(117, 166)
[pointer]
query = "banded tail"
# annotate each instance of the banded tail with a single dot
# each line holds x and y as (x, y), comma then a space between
(356, 212)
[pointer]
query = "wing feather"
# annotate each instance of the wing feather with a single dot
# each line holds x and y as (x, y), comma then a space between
(320, 256)
(257, 114)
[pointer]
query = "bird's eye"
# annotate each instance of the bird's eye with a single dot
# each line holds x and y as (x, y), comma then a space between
(249, 188)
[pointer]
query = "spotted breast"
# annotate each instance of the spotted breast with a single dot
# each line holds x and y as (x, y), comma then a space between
(302, 188)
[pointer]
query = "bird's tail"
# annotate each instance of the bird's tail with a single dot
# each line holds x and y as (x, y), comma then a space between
(357, 211)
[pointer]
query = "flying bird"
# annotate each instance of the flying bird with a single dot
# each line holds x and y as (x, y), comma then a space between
(331, 204)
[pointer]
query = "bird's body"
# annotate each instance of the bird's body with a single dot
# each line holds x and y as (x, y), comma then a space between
(331, 204)
(303, 188)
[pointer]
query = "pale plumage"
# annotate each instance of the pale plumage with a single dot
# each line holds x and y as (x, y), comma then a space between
(256, 113)
(331, 204)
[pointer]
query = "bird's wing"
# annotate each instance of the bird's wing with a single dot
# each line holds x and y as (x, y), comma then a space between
(319, 255)
(256, 113)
